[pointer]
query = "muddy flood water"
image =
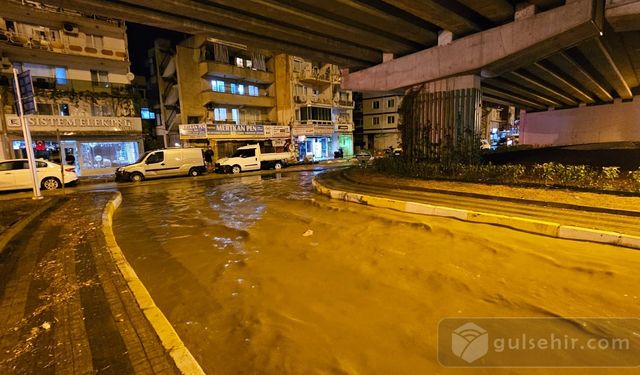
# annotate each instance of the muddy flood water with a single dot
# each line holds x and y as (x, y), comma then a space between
(259, 275)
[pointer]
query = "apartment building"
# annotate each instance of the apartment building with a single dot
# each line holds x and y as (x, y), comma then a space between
(225, 94)
(82, 84)
(320, 112)
(381, 120)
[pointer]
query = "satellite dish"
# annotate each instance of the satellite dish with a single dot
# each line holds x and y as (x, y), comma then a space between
(130, 76)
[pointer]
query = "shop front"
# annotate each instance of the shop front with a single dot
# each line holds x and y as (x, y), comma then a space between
(343, 136)
(93, 145)
(314, 141)
(225, 138)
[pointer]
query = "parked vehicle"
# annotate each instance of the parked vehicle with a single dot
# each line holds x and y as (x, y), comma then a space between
(15, 175)
(252, 158)
(364, 157)
(164, 163)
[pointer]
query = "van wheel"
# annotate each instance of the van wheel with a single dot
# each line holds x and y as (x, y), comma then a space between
(136, 177)
(277, 165)
(51, 183)
(193, 172)
(236, 169)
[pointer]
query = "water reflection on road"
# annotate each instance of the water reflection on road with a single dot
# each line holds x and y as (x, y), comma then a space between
(230, 266)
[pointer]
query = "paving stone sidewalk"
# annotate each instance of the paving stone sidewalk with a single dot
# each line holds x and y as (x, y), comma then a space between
(64, 306)
(12, 211)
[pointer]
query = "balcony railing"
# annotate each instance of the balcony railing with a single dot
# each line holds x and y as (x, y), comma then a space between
(58, 84)
(58, 46)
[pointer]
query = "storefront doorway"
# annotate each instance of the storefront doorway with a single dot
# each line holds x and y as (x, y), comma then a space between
(314, 148)
(345, 142)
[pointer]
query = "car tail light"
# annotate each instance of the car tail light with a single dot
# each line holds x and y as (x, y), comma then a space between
(69, 169)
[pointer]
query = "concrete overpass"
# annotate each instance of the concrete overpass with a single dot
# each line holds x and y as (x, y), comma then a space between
(551, 56)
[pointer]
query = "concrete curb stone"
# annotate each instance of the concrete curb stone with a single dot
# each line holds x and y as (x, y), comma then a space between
(541, 227)
(182, 357)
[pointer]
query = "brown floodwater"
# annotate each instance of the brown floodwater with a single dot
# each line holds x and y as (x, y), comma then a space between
(261, 276)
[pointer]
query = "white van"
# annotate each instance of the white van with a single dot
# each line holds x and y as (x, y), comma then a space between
(162, 163)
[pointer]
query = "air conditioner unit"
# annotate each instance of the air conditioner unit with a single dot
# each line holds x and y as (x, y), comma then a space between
(70, 28)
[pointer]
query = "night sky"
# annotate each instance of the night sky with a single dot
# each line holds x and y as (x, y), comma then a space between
(141, 38)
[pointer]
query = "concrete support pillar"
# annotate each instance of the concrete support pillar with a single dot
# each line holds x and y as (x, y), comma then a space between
(442, 120)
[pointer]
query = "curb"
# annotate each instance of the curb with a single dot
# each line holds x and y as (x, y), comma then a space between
(545, 228)
(17, 227)
(184, 361)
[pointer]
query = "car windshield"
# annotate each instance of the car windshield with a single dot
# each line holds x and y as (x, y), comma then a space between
(141, 158)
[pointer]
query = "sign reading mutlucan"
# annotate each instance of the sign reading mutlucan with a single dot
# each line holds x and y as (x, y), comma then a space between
(78, 124)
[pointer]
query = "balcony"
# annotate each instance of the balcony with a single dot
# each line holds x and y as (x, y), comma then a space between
(75, 85)
(315, 77)
(223, 98)
(345, 103)
(212, 69)
(19, 47)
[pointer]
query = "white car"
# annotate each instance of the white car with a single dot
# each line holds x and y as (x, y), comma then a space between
(15, 174)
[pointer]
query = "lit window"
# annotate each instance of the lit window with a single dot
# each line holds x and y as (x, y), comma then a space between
(217, 85)
(239, 62)
(240, 89)
(253, 90)
(391, 119)
(376, 104)
(220, 114)
(376, 121)
(63, 109)
(235, 115)
(234, 88)
(248, 63)
(146, 114)
(61, 75)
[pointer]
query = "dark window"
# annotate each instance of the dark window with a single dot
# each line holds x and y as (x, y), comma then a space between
(45, 109)
(156, 157)
(193, 119)
(41, 164)
(376, 104)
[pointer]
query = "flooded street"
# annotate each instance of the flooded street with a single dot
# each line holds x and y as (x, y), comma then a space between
(260, 275)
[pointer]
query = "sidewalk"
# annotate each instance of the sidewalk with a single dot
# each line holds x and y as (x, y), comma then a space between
(65, 307)
(557, 213)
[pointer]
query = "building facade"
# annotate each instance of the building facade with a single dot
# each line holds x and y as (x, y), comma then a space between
(319, 111)
(82, 85)
(226, 94)
(381, 120)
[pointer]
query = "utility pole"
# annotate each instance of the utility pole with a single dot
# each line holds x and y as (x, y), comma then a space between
(26, 81)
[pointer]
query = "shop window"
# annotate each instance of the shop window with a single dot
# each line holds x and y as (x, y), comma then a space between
(376, 121)
(45, 109)
(391, 119)
(63, 109)
(375, 104)
(217, 85)
(253, 90)
(97, 155)
(391, 103)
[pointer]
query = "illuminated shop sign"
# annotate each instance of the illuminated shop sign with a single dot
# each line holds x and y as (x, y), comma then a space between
(225, 131)
(77, 124)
